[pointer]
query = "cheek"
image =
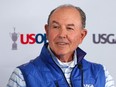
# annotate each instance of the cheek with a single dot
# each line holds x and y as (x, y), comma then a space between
(75, 39)
(51, 35)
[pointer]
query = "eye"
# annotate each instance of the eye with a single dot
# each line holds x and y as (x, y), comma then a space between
(55, 26)
(70, 28)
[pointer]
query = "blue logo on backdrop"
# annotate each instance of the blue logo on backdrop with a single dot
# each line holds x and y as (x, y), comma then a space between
(104, 38)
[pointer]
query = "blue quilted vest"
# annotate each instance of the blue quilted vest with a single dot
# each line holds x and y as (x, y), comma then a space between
(44, 72)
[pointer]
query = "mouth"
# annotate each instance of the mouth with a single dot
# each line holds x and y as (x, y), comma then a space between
(62, 43)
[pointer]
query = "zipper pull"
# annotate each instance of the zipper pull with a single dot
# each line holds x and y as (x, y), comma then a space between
(56, 83)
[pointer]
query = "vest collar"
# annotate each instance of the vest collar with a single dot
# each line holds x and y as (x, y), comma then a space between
(45, 52)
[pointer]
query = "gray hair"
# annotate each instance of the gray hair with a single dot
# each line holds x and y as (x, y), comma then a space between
(82, 14)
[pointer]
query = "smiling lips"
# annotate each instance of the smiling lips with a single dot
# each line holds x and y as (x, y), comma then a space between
(62, 43)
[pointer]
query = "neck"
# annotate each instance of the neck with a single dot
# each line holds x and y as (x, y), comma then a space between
(65, 58)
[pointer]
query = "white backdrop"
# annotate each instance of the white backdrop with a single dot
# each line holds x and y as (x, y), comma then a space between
(29, 17)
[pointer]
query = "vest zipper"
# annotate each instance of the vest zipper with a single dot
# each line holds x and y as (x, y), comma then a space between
(71, 76)
(81, 70)
(62, 74)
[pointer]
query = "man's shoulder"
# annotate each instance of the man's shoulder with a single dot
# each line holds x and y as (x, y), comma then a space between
(96, 67)
(94, 64)
(32, 65)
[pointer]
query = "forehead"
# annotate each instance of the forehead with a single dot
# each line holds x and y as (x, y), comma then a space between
(66, 14)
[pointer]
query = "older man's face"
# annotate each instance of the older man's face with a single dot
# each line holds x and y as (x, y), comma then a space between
(64, 31)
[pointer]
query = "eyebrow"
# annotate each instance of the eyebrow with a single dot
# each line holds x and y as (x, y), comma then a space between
(70, 25)
(55, 22)
(59, 24)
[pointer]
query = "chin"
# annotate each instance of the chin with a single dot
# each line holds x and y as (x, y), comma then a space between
(61, 53)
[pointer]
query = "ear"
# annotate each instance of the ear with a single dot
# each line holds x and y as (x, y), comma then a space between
(83, 34)
(46, 29)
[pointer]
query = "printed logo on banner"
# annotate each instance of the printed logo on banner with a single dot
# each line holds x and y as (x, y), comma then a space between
(33, 38)
(26, 39)
(104, 38)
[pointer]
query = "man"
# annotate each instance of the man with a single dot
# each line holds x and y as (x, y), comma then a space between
(61, 62)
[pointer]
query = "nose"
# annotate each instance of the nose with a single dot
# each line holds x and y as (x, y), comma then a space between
(62, 33)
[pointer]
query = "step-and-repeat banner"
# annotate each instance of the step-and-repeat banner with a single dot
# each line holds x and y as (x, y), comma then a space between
(22, 32)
